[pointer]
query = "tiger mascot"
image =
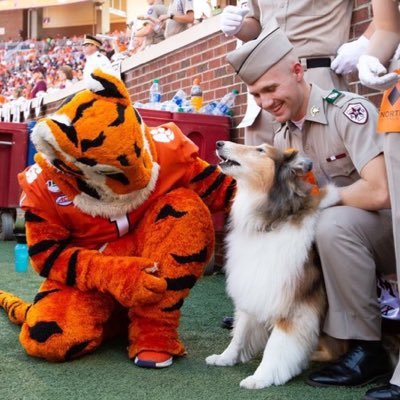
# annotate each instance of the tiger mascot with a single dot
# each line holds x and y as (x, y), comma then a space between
(118, 223)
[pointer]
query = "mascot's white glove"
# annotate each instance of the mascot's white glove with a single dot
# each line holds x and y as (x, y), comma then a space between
(232, 19)
(374, 75)
(348, 55)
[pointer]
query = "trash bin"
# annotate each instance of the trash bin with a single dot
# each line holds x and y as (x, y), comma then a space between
(13, 154)
(31, 148)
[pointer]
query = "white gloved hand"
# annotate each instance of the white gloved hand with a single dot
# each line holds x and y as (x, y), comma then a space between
(348, 55)
(232, 19)
(374, 75)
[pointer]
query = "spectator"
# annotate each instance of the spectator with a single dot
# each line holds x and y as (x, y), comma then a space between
(373, 73)
(39, 83)
(354, 239)
(178, 18)
(66, 77)
(94, 58)
(152, 30)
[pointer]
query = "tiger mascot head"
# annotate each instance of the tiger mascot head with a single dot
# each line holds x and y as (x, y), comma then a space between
(98, 150)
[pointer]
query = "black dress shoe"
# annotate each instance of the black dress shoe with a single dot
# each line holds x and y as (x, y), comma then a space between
(388, 392)
(227, 322)
(365, 362)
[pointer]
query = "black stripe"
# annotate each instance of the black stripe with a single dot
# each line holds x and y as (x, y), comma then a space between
(40, 247)
(218, 182)
(59, 164)
(119, 177)
(7, 307)
(121, 115)
(51, 259)
(71, 273)
(96, 142)
(138, 116)
(81, 109)
(110, 90)
(41, 295)
(169, 211)
(75, 350)
(31, 217)
(138, 150)
(85, 188)
(42, 331)
(123, 160)
(229, 192)
(185, 282)
(69, 131)
(201, 256)
(26, 311)
(87, 161)
(204, 174)
(12, 313)
(175, 307)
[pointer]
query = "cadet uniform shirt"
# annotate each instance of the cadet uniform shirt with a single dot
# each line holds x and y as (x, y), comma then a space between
(98, 60)
(157, 36)
(177, 7)
(338, 135)
(315, 27)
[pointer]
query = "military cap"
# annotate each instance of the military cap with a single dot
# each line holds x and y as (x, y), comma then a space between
(89, 39)
(254, 58)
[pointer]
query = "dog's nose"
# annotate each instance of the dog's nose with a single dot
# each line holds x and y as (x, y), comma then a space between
(220, 143)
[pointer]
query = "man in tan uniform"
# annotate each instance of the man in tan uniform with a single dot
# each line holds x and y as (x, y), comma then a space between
(354, 239)
(316, 29)
(179, 17)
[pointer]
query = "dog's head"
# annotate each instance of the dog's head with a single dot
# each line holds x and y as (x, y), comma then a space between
(282, 178)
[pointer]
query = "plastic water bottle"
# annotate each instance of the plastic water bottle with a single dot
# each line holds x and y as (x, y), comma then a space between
(225, 105)
(155, 92)
(179, 97)
(21, 255)
(196, 95)
(208, 108)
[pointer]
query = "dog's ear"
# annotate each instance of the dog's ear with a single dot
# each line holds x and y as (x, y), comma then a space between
(298, 164)
(289, 155)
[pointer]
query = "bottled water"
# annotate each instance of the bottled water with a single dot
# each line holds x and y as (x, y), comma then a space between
(208, 108)
(155, 92)
(224, 106)
(179, 98)
(196, 95)
(21, 255)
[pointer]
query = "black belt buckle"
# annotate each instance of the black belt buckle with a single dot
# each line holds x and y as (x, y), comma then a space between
(324, 62)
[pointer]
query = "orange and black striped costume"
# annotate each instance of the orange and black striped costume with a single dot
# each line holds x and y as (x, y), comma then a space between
(118, 223)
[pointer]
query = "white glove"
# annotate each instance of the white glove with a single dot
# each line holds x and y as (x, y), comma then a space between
(232, 19)
(374, 75)
(348, 55)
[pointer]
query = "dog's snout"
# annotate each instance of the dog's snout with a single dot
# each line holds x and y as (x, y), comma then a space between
(220, 144)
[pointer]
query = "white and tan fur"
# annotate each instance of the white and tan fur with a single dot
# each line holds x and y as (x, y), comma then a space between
(271, 271)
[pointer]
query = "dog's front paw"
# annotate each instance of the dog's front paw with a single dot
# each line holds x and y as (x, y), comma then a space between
(220, 360)
(252, 382)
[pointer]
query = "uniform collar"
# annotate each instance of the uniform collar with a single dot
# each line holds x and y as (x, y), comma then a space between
(316, 105)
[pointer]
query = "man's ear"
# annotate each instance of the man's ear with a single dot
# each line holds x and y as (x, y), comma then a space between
(298, 70)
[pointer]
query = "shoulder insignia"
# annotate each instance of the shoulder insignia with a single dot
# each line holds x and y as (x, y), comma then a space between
(333, 96)
(357, 113)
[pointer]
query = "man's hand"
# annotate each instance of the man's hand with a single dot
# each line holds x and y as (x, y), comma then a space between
(374, 75)
(348, 55)
(232, 19)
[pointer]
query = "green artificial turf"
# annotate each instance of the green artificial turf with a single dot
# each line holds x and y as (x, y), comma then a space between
(108, 374)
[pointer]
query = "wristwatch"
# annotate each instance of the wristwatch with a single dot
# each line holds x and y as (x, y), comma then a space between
(171, 16)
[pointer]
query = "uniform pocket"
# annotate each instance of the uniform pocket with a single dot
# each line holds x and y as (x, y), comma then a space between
(310, 8)
(340, 169)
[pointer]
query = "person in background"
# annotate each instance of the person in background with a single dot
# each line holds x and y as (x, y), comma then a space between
(179, 17)
(152, 30)
(317, 31)
(66, 76)
(39, 82)
(354, 239)
(373, 72)
(94, 58)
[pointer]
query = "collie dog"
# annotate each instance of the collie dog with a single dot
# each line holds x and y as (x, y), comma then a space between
(272, 272)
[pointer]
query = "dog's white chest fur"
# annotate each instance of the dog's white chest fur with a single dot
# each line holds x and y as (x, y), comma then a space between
(264, 267)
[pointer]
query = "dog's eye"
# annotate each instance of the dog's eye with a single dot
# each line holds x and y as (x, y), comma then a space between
(260, 150)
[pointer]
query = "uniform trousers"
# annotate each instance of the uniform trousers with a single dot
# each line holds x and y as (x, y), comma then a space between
(354, 245)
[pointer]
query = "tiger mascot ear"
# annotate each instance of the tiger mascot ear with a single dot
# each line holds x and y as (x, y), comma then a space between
(99, 149)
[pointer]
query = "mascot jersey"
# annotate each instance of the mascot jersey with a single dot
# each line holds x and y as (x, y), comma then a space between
(117, 222)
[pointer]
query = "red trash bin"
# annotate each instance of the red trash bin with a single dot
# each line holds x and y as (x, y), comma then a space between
(13, 153)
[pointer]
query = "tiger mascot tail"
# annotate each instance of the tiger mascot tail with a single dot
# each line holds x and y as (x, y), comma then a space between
(118, 224)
